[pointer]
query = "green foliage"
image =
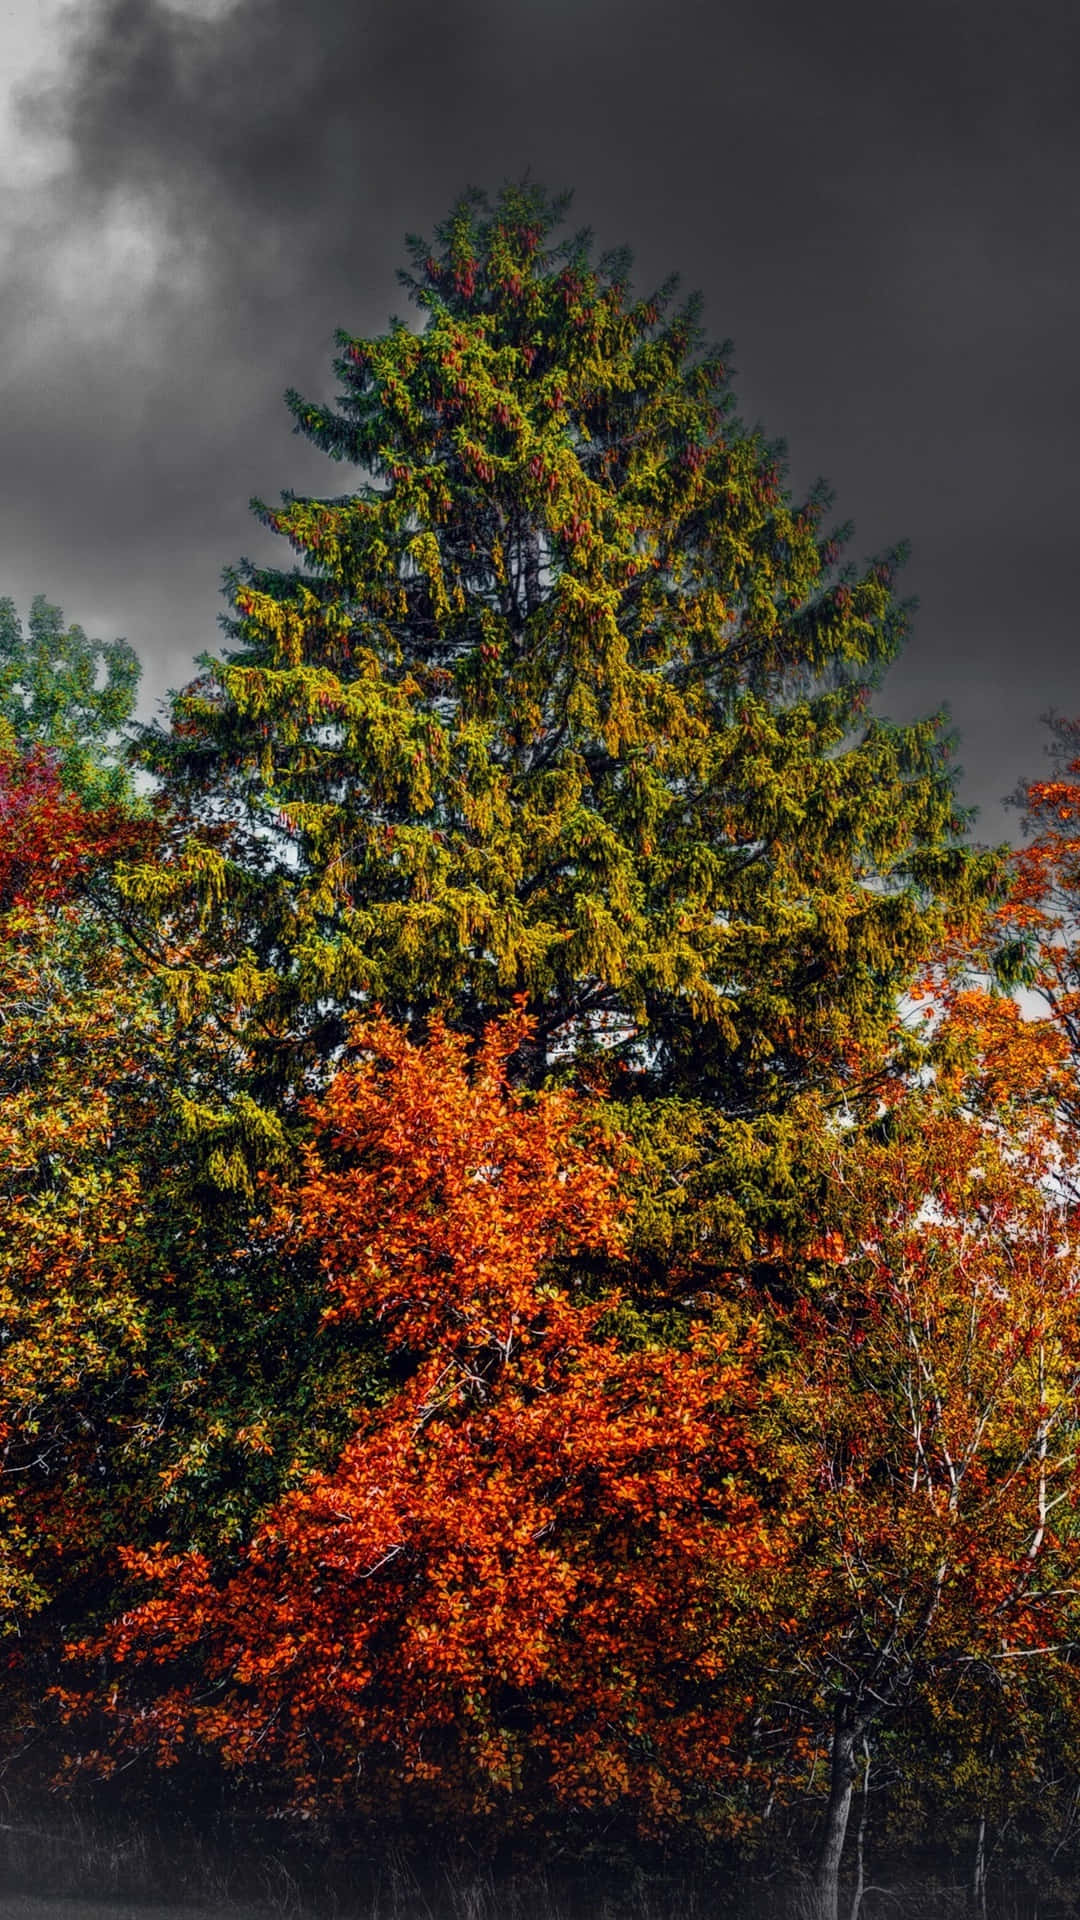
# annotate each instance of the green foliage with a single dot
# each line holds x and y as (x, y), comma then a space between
(160, 1372)
(567, 701)
(71, 695)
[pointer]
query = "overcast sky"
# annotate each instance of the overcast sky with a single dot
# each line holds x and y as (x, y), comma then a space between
(878, 201)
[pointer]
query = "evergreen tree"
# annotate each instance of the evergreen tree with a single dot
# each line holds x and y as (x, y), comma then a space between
(567, 700)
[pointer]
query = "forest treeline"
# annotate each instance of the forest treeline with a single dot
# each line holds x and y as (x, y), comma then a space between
(538, 1284)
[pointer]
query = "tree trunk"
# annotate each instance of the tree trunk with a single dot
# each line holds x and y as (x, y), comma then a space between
(978, 1874)
(531, 570)
(978, 1877)
(841, 1786)
(860, 1844)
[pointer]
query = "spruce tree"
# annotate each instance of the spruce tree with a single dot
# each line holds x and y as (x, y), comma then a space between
(567, 699)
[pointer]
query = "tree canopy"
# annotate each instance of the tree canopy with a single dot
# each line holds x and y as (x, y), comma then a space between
(536, 1244)
(567, 701)
(71, 695)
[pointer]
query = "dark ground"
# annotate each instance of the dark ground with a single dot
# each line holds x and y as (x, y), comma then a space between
(78, 1862)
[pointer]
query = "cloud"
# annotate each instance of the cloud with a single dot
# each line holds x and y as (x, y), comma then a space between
(877, 207)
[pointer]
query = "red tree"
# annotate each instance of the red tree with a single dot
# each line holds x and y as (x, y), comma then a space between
(534, 1567)
(925, 1427)
(49, 838)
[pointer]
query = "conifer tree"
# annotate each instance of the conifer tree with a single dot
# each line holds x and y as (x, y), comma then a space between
(565, 701)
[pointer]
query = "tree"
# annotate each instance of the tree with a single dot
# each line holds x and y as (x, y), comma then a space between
(631, 1402)
(72, 1332)
(929, 1414)
(568, 700)
(524, 1582)
(45, 844)
(567, 704)
(68, 695)
(151, 1377)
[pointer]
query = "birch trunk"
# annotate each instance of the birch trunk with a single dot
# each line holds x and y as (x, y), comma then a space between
(841, 1787)
(978, 1877)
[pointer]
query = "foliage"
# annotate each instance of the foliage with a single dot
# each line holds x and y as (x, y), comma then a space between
(926, 1421)
(72, 696)
(72, 1318)
(568, 700)
(536, 1248)
(71, 1325)
(148, 1377)
(516, 1583)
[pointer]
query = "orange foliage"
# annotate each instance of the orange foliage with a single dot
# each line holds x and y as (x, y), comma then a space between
(926, 1428)
(48, 838)
(534, 1563)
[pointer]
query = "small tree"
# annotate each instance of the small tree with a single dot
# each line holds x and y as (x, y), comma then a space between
(72, 696)
(150, 1378)
(75, 1036)
(929, 1413)
(525, 1585)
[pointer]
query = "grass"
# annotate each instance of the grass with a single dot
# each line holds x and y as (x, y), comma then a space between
(65, 1863)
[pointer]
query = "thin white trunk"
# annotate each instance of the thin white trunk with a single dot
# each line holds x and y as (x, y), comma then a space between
(837, 1813)
(860, 1840)
(978, 1877)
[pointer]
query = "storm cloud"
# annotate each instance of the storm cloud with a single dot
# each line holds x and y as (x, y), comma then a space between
(878, 204)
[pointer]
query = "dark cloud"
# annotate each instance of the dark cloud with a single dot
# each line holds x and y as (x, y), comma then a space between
(878, 203)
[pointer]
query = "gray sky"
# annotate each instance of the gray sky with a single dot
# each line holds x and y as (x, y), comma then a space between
(879, 203)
